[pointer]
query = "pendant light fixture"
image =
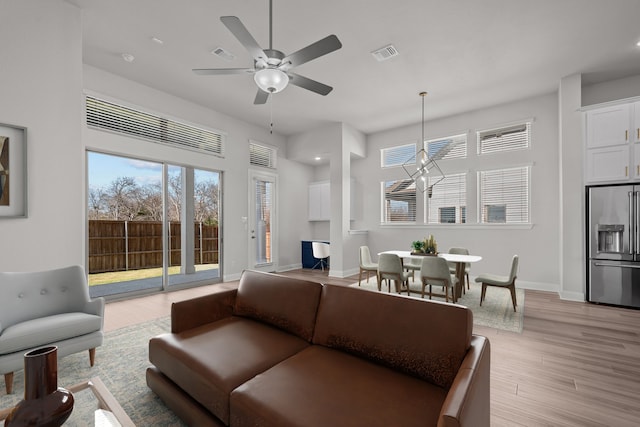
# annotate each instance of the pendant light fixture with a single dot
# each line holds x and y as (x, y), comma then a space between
(420, 166)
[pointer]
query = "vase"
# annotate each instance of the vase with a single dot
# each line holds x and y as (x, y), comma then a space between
(45, 404)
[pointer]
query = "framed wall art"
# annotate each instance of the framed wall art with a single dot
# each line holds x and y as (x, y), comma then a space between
(13, 171)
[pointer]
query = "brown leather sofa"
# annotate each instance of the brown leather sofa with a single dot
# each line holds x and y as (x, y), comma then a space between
(280, 352)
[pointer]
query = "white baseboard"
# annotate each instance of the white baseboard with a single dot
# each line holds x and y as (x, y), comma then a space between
(573, 296)
(533, 286)
(289, 267)
(343, 273)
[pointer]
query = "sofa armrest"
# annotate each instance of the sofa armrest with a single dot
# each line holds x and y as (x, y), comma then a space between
(199, 311)
(467, 403)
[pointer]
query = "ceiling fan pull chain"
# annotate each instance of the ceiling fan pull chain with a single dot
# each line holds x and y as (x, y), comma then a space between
(271, 114)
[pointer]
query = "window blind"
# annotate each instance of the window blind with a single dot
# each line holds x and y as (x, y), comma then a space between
(396, 156)
(504, 195)
(448, 201)
(261, 155)
(106, 115)
(509, 138)
(399, 201)
(452, 147)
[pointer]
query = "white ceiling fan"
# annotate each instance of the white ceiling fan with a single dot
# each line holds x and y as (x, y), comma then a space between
(272, 68)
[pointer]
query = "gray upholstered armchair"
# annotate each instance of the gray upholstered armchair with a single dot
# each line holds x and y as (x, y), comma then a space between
(47, 308)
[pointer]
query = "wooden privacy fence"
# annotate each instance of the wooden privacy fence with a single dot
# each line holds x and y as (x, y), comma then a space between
(134, 245)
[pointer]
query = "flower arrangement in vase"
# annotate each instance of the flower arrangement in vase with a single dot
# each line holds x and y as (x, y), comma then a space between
(427, 246)
(430, 245)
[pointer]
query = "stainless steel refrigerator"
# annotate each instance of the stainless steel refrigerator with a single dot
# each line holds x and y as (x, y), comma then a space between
(613, 245)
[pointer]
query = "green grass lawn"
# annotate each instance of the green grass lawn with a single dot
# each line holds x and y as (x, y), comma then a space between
(147, 273)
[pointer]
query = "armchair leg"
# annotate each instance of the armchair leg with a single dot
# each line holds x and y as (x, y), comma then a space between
(8, 382)
(92, 356)
(483, 293)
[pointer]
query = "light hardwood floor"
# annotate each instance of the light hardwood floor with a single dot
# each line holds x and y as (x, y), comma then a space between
(575, 364)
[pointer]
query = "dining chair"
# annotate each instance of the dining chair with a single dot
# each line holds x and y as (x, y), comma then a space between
(390, 268)
(508, 282)
(435, 271)
(467, 266)
(321, 251)
(366, 265)
(411, 265)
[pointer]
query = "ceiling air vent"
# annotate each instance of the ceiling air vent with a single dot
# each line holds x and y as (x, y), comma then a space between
(223, 53)
(385, 53)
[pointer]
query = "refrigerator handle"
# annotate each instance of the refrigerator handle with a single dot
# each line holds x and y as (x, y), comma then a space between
(636, 224)
(632, 222)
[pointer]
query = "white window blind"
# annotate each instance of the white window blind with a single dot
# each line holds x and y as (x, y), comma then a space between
(508, 138)
(447, 204)
(451, 147)
(504, 195)
(396, 156)
(261, 155)
(399, 201)
(106, 115)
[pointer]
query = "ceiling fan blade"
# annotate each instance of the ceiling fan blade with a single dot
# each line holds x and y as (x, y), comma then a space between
(261, 97)
(222, 71)
(313, 51)
(238, 29)
(309, 84)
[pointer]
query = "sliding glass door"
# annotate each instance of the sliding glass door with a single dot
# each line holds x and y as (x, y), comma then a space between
(150, 225)
(193, 231)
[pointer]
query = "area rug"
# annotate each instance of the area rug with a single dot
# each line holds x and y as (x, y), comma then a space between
(121, 363)
(496, 311)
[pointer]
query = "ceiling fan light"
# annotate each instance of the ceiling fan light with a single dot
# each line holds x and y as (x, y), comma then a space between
(271, 80)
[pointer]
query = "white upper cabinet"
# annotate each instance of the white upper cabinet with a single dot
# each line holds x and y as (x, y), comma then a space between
(608, 164)
(608, 126)
(320, 201)
(636, 161)
(613, 144)
(636, 123)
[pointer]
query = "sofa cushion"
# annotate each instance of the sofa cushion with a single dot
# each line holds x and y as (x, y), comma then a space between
(423, 338)
(38, 332)
(324, 387)
(209, 361)
(284, 302)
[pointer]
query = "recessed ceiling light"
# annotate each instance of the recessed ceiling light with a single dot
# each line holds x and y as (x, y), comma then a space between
(157, 40)
(638, 44)
(128, 57)
(318, 158)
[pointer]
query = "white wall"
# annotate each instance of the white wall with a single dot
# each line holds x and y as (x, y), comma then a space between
(293, 178)
(611, 91)
(41, 89)
(537, 246)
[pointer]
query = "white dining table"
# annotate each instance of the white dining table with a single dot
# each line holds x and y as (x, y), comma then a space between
(459, 259)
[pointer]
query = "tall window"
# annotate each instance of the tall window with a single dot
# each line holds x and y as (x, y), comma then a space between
(451, 147)
(399, 201)
(508, 138)
(504, 195)
(396, 156)
(447, 204)
(126, 219)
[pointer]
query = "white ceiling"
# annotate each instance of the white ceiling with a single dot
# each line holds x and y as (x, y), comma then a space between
(467, 54)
